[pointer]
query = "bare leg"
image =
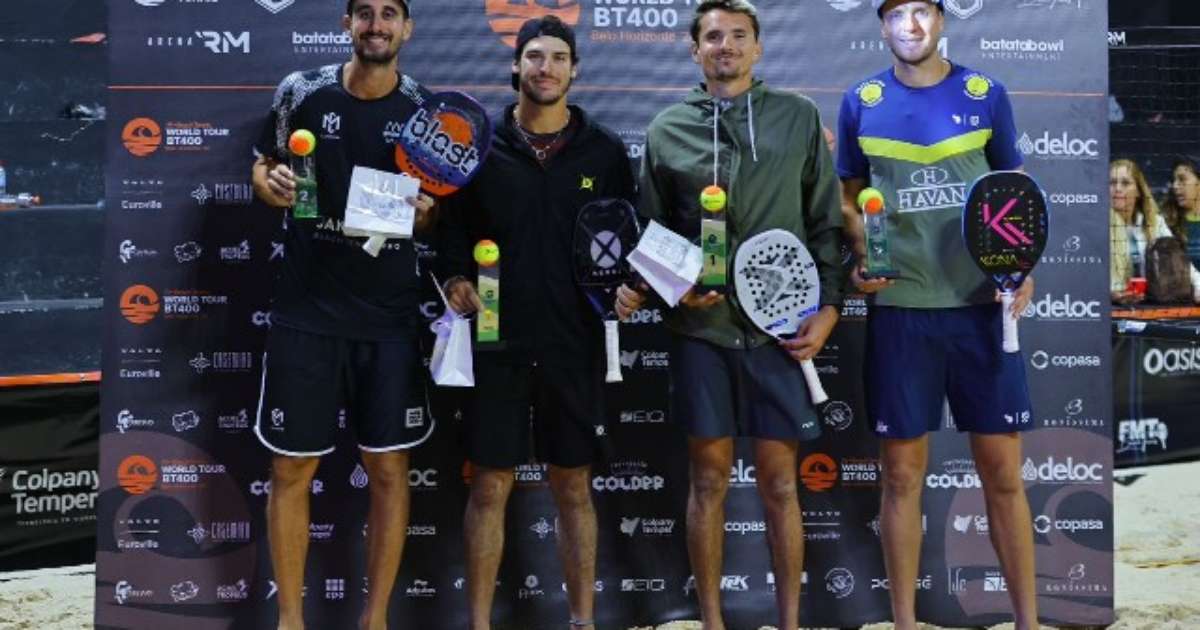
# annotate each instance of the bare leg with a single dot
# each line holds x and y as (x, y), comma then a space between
(387, 527)
(776, 464)
(287, 527)
(576, 538)
(483, 526)
(904, 462)
(1010, 525)
(711, 461)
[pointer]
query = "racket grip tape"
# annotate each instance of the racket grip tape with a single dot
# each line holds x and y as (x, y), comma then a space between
(815, 390)
(612, 347)
(1010, 322)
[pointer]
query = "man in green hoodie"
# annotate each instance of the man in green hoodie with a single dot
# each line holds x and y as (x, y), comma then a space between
(728, 379)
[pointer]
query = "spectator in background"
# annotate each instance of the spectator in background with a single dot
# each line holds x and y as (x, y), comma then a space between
(1181, 206)
(1135, 223)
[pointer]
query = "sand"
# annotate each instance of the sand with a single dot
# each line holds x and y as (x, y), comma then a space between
(1157, 565)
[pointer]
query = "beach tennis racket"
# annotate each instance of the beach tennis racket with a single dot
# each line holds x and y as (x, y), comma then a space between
(444, 142)
(606, 230)
(1005, 225)
(776, 282)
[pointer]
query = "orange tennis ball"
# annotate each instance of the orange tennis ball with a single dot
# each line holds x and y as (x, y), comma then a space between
(487, 253)
(871, 201)
(302, 142)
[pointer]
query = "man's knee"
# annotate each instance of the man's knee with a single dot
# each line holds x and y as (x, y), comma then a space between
(903, 480)
(709, 483)
(490, 488)
(777, 490)
(387, 471)
(570, 488)
(1001, 479)
(289, 472)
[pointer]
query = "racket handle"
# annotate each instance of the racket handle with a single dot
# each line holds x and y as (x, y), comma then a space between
(815, 390)
(612, 347)
(1010, 322)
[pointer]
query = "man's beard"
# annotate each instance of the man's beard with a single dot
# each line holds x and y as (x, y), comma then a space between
(531, 93)
(921, 56)
(381, 59)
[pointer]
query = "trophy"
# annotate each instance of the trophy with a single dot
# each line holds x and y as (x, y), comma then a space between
(713, 243)
(302, 143)
(879, 260)
(487, 325)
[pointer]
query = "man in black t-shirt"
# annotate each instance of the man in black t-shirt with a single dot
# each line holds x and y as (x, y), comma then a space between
(344, 333)
(548, 160)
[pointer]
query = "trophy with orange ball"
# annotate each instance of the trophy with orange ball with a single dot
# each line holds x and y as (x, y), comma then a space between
(487, 324)
(713, 242)
(302, 144)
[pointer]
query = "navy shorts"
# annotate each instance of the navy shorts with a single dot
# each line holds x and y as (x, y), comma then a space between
(314, 385)
(918, 358)
(724, 392)
(518, 413)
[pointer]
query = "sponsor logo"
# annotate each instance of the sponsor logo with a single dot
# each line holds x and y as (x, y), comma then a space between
(331, 123)
(222, 362)
(335, 589)
(139, 304)
(184, 591)
(745, 527)
(235, 253)
(216, 42)
(643, 416)
(223, 194)
(221, 532)
(963, 523)
(993, 582)
(414, 417)
(923, 584)
(647, 526)
(422, 530)
(963, 9)
(628, 476)
(1063, 309)
(125, 592)
(1049, 4)
(144, 136)
(838, 415)
(359, 478)
(1134, 436)
(543, 528)
(141, 136)
(839, 582)
(844, 5)
(420, 588)
(126, 421)
(506, 17)
(321, 43)
(931, 190)
(860, 472)
(957, 473)
(320, 532)
(1172, 361)
(275, 6)
(127, 252)
(1073, 199)
(187, 474)
(185, 421)
(1075, 582)
(1041, 360)
(1043, 524)
(874, 526)
(1070, 254)
(645, 316)
(649, 360)
(1068, 471)
(870, 93)
(1073, 417)
(1064, 147)
(236, 592)
(818, 472)
(188, 251)
(643, 585)
(977, 86)
(531, 588)
(138, 533)
(137, 474)
(1022, 49)
(46, 492)
(423, 478)
(1117, 39)
(234, 422)
(742, 475)
(260, 488)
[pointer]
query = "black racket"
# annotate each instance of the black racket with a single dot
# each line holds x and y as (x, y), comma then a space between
(1005, 225)
(606, 230)
(776, 283)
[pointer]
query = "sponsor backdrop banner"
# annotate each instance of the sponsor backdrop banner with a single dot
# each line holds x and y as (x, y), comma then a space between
(1156, 398)
(190, 256)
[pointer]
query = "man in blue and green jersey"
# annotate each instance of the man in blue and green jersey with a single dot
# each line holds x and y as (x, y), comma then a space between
(921, 132)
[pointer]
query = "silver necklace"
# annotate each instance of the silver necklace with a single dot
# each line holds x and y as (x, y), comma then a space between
(541, 152)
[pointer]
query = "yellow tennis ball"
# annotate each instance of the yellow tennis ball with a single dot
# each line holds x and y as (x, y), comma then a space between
(712, 198)
(302, 142)
(487, 253)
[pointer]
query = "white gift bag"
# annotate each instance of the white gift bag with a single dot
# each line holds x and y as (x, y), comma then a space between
(377, 206)
(669, 263)
(452, 364)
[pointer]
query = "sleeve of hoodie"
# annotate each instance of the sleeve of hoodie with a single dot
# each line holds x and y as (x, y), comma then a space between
(653, 193)
(823, 213)
(454, 235)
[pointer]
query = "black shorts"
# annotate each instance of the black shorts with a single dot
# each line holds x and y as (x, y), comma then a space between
(312, 385)
(560, 410)
(723, 392)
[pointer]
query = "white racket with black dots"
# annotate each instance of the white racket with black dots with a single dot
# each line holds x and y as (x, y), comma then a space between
(776, 283)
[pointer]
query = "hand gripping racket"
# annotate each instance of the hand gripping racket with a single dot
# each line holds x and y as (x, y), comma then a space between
(1005, 225)
(776, 282)
(606, 230)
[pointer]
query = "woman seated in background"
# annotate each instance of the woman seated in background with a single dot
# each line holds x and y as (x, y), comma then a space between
(1181, 206)
(1134, 224)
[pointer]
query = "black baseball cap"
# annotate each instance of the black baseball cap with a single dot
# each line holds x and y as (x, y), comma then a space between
(878, 5)
(548, 26)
